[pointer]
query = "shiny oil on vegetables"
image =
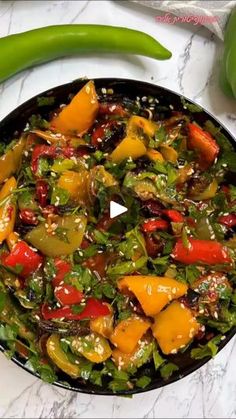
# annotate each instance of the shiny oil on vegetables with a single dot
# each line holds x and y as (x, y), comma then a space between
(100, 299)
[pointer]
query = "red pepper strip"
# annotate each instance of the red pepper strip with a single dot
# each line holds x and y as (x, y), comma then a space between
(62, 268)
(205, 251)
(105, 222)
(204, 144)
(111, 109)
(41, 151)
(93, 309)
(174, 216)
(66, 294)
(228, 220)
(150, 226)
(42, 189)
(23, 255)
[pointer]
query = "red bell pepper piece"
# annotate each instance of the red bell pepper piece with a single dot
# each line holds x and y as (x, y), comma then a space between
(105, 222)
(41, 150)
(150, 226)
(228, 220)
(66, 294)
(111, 109)
(42, 189)
(205, 251)
(93, 308)
(21, 254)
(174, 215)
(204, 144)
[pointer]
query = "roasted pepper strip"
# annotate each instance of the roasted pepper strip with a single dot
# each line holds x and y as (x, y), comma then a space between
(59, 357)
(174, 216)
(174, 327)
(22, 255)
(204, 144)
(150, 226)
(201, 251)
(228, 220)
(7, 209)
(93, 308)
(10, 161)
(128, 332)
(66, 294)
(152, 292)
(80, 114)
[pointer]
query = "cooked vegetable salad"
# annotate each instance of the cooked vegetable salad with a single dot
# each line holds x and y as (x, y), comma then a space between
(107, 300)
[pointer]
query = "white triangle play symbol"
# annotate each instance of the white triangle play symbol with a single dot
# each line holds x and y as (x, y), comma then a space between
(116, 209)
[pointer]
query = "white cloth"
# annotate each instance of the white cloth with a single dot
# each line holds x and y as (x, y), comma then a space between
(212, 14)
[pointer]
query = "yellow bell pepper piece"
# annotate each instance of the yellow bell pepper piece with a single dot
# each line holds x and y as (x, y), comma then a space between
(209, 192)
(76, 183)
(129, 147)
(184, 173)
(154, 155)
(10, 161)
(137, 123)
(128, 332)
(152, 292)
(103, 325)
(174, 327)
(169, 153)
(8, 209)
(93, 347)
(140, 355)
(80, 114)
(12, 239)
(60, 358)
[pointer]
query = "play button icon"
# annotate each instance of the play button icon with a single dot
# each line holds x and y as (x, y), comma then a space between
(116, 209)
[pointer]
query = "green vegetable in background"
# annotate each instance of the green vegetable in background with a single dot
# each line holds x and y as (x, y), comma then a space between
(228, 66)
(24, 50)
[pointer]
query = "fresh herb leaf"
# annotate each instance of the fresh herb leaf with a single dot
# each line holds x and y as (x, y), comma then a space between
(192, 107)
(143, 381)
(123, 268)
(167, 370)
(210, 349)
(36, 121)
(61, 233)
(45, 100)
(157, 358)
(59, 196)
(45, 371)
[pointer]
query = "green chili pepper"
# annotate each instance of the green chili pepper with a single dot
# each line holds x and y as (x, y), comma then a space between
(228, 66)
(37, 46)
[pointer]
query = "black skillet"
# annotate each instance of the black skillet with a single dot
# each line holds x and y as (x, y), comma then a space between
(125, 89)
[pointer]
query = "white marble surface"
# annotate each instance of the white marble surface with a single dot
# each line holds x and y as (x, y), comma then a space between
(211, 391)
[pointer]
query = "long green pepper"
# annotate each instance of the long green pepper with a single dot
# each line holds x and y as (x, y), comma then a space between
(228, 66)
(24, 50)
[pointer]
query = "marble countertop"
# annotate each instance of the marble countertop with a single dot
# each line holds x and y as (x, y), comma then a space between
(210, 392)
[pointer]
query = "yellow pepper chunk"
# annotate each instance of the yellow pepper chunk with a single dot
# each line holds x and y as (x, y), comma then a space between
(76, 183)
(154, 155)
(128, 332)
(174, 327)
(103, 325)
(80, 114)
(8, 209)
(169, 153)
(10, 161)
(137, 123)
(209, 192)
(129, 147)
(93, 347)
(139, 356)
(12, 239)
(152, 292)
(60, 358)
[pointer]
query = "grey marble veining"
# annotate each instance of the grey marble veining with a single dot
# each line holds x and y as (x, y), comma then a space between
(193, 71)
